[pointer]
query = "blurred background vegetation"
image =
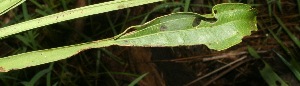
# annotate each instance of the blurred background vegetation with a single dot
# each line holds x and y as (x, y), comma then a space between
(272, 51)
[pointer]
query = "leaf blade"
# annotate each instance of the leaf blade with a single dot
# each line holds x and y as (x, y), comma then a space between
(234, 21)
(7, 5)
(49, 55)
(71, 14)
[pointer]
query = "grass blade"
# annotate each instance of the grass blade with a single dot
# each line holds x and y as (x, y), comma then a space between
(71, 14)
(7, 5)
(45, 56)
(137, 80)
(267, 72)
(36, 77)
(291, 67)
(292, 36)
(186, 5)
(270, 76)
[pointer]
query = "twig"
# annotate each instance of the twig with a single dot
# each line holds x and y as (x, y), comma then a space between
(225, 72)
(227, 65)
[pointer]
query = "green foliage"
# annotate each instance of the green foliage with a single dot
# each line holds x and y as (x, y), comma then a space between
(137, 79)
(267, 72)
(290, 56)
(7, 5)
(292, 67)
(233, 22)
(70, 14)
(293, 64)
(36, 77)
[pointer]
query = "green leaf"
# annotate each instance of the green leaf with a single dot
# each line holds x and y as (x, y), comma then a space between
(292, 36)
(270, 76)
(267, 72)
(7, 5)
(225, 27)
(70, 14)
(45, 56)
(234, 21)
(289, 65)
(137, 79)
(182, 21)
(36, 77)
(253, 53)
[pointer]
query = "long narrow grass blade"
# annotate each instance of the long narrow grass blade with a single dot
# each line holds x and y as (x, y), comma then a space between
(137, 80)
(186, 5)
(293, 62)
(291, 67)
(7, 5)
(292, 36)
(45, 56)
(267, 72)
(36, 77)
(253, 53)
(280, 43)
(270, 76)
(71, 14)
